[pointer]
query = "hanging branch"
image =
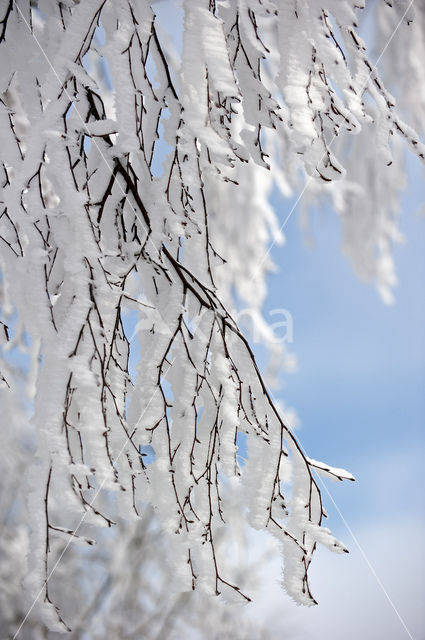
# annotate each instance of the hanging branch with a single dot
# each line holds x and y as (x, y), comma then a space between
(110, 201)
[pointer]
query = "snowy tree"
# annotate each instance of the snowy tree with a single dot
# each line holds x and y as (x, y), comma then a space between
(136, 167)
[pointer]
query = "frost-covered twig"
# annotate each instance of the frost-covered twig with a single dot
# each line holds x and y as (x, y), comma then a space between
(127, 200)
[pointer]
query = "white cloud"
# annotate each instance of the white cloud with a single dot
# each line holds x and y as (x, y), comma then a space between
(387, 520)
(352, 603)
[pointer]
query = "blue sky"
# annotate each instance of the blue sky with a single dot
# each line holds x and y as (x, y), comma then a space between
(359, 392)
(359, 388)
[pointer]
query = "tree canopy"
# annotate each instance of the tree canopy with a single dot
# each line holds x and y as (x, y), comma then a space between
(136, 168)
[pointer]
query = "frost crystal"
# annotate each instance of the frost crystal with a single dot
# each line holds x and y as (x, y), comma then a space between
(134, 208)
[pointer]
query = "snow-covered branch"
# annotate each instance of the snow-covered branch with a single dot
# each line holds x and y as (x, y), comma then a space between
(134, 207)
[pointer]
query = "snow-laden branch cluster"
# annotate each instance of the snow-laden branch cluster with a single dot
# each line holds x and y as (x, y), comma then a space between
(93, 101)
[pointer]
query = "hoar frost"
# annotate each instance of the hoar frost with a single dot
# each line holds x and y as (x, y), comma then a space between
(91, 230)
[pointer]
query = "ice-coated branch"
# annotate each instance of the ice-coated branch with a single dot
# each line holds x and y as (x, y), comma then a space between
(134, 192)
